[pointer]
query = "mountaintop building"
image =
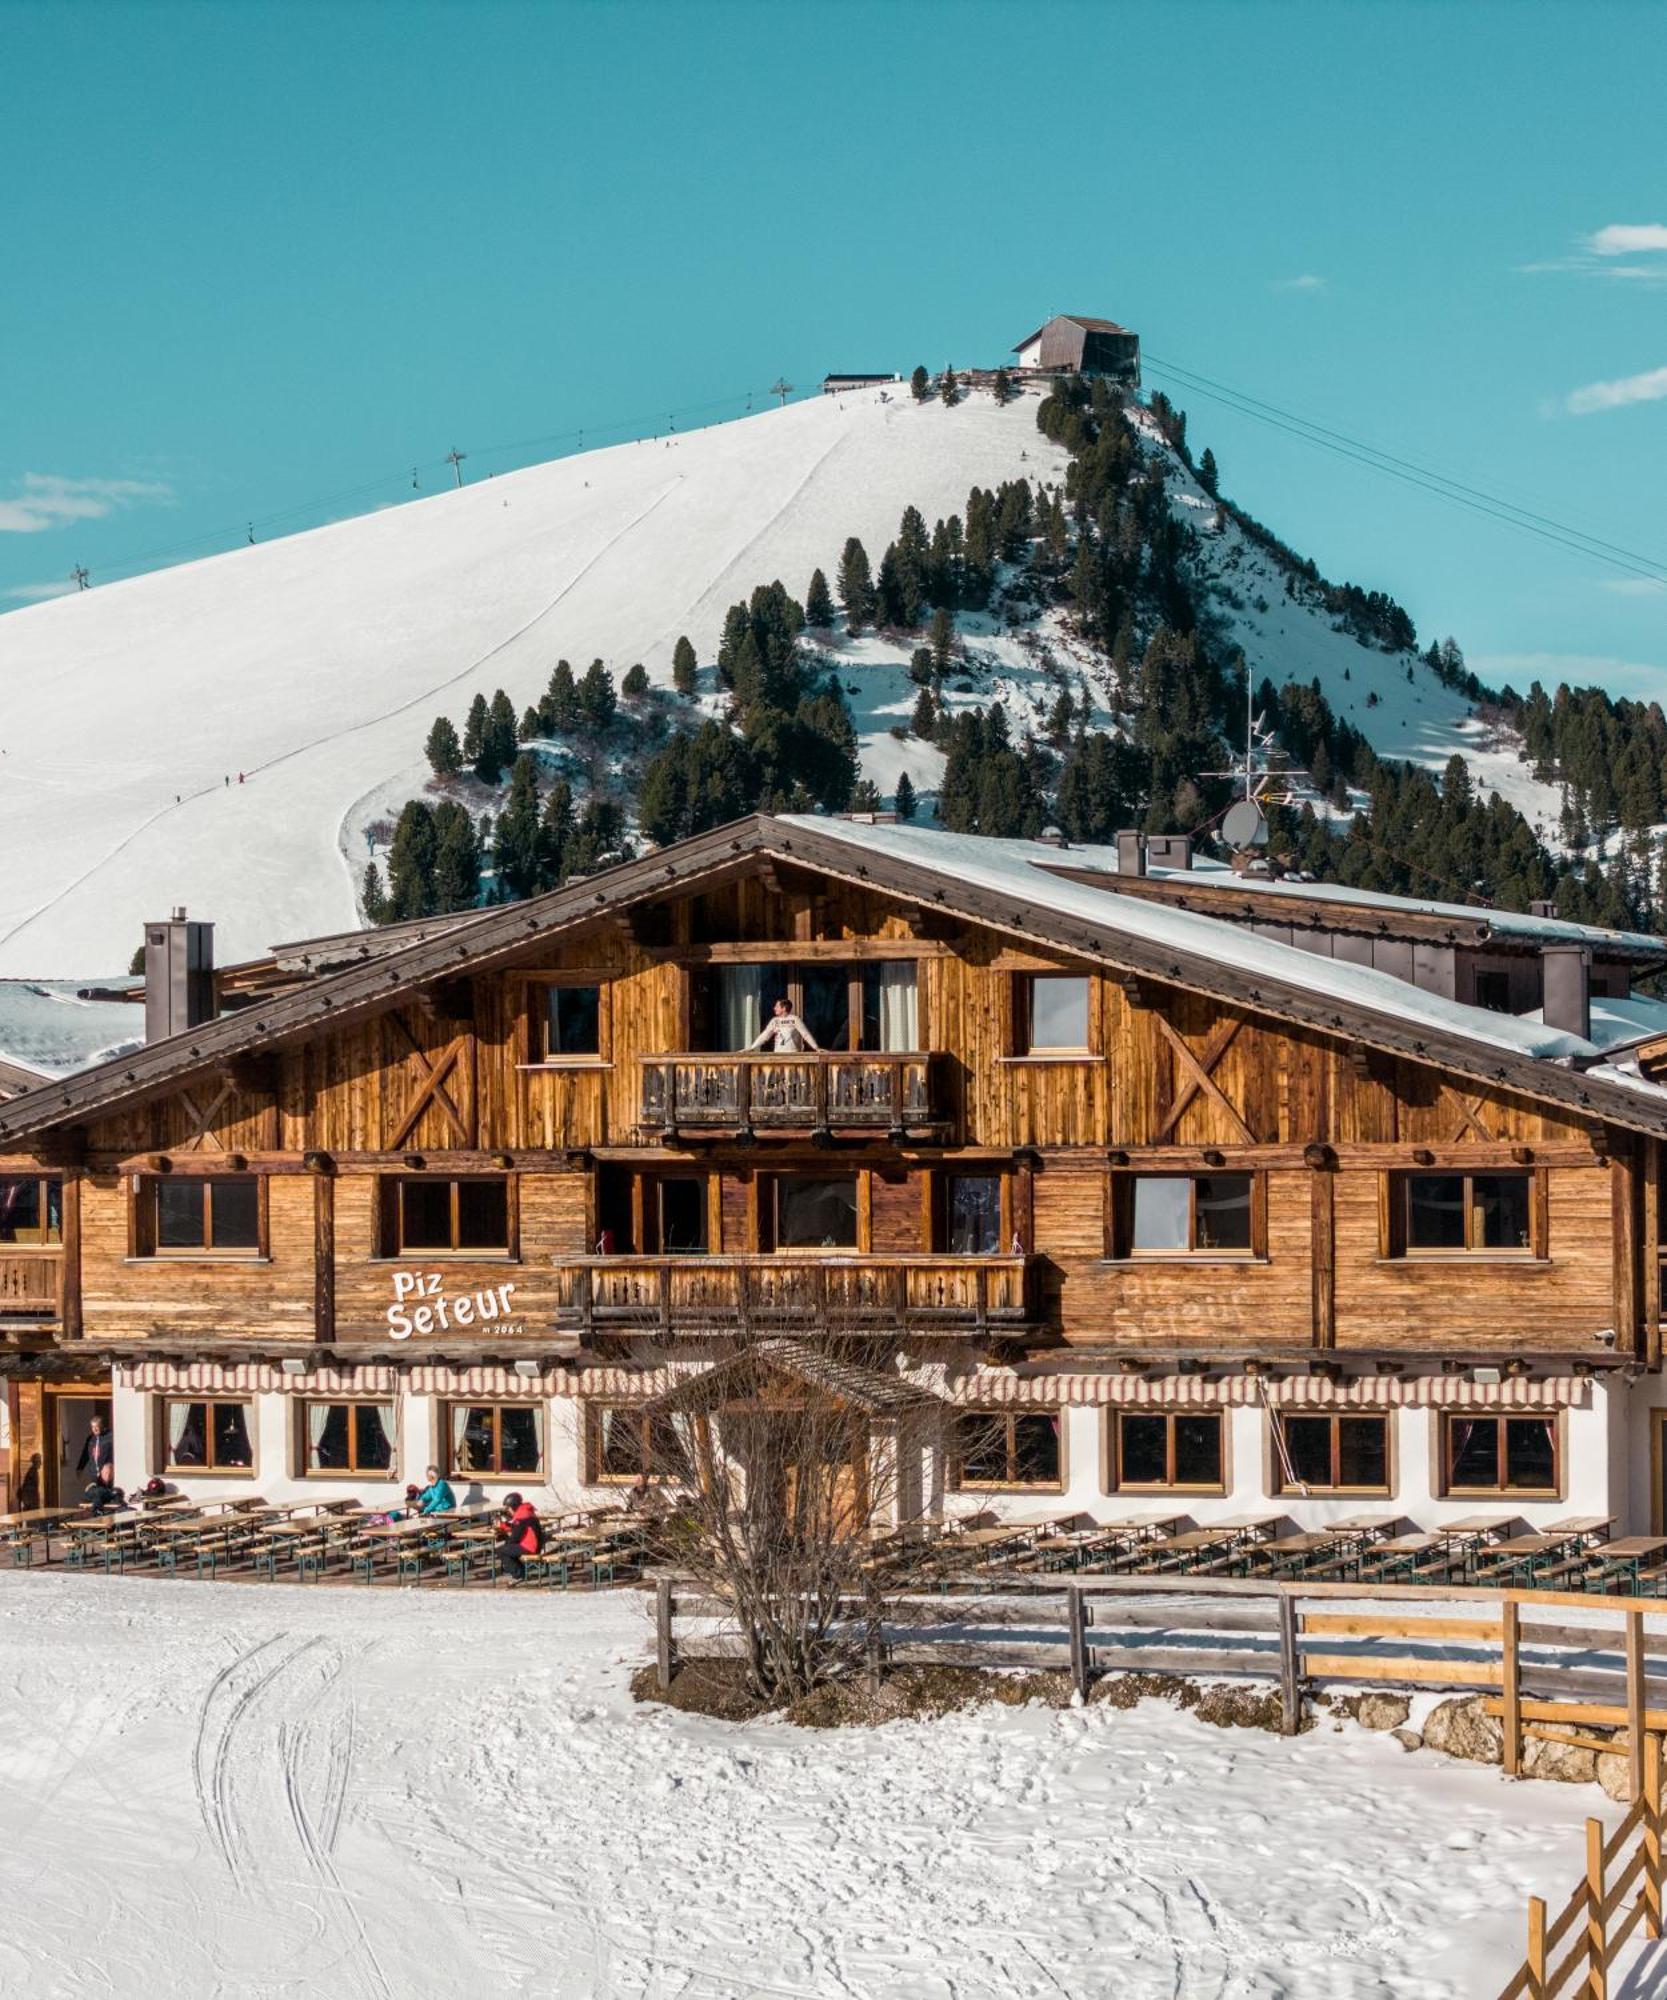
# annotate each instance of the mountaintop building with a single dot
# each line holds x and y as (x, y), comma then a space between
(1069, 344)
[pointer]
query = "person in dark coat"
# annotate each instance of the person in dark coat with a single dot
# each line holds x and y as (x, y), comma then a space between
(520, 1534)
(98, 1461)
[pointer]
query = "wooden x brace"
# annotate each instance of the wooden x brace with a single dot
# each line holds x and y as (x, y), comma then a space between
(1198, 1077)
(433, 1088)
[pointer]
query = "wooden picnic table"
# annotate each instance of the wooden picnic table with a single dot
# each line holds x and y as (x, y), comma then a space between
(1625, 1558)
(1475, 1526)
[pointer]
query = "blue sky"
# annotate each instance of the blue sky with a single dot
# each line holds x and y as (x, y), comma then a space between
(260, 260)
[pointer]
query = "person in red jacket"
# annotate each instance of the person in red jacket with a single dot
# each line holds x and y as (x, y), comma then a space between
(520, 1534)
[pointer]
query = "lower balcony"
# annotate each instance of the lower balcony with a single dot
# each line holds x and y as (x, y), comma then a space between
(828, 1092)
(701, 1294)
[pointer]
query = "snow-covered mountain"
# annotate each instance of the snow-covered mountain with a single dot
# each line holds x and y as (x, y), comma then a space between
(215, 735)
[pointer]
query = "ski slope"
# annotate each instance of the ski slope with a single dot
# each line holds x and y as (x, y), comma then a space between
(255, 1792)
(311, 668)
(315, 665)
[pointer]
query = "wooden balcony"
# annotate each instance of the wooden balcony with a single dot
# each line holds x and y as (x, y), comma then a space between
(31, 1286)
(701, 1294)
(830, 1092)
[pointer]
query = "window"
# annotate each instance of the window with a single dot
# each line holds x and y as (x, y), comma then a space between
(973, 1211)
(572, 1022)
(1331, 1454)
(347, 1438)
(31, 1210)
(624, 1441)
(1001, 1448)
(816, 1214)
(496, 1440)
(682, 1203)
(206, 1437)
(202, 1215)
(1499, 1454)
(1051, 1014)
(1168, 1450)
(1446, 1213)
(1186, 1215)
(450, 1218)
(1493, 991)
(874, 1005)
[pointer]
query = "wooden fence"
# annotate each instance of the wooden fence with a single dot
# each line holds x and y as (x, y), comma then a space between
(1539, 1678)
(1555, 1681)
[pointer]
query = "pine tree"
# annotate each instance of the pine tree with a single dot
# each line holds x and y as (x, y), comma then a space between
(856, 586)
(456, 860)
(560, 705)
(920, 385)
(1208, 477)
(411, 863)
(948, 388)
(597, 700)
(474, 729)
(683, 667)
(819, 610)
(866, 797)
(445, 755)
(1002, 388)
(527, 728)
(501, 723)
(515, 850)
(925, 718)
(555, 833)
(635, 684)
(905, 799)
(372, 896)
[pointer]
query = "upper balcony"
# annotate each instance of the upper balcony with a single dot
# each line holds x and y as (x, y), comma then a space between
(812, 1291)
(901, 1096)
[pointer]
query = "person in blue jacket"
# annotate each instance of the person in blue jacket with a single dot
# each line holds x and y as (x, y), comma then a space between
(437, 1496)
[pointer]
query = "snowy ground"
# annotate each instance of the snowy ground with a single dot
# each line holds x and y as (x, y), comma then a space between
(258, 1791)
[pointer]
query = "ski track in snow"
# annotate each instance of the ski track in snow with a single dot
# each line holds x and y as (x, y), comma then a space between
(230, 1792)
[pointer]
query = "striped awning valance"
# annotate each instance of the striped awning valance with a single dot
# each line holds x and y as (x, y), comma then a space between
(1003, 1388)
(372, 1378)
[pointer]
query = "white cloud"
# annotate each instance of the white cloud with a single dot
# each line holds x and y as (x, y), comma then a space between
(44, 500)
(37, 593)
(1627, 239)
(1594, 255)
(1308, 281)
(1632, 586)
(1649, 387)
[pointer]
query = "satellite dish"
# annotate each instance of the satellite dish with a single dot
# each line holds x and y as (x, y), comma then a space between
(1244, 825)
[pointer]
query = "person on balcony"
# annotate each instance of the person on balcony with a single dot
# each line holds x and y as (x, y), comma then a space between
(784, 1034)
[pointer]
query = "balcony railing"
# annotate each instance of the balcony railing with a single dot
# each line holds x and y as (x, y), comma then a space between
(29, 1287)
(698, 1293)
(808, 1093)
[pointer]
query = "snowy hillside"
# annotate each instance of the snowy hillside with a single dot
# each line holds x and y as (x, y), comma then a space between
(310, 668)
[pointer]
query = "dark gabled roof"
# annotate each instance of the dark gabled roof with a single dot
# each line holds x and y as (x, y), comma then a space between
(1076, 319)
(878, 1391)
(502, 936)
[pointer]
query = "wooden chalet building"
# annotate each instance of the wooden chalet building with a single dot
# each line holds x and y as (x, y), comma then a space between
(1144, 1178)
(1069, 344)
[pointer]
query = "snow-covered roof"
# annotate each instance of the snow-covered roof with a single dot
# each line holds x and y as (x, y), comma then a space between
(1026, 871)
(46, 1027)
(1500, 923)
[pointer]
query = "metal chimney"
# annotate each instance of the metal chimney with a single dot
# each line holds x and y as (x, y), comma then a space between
(179, 976)
(1566, 998)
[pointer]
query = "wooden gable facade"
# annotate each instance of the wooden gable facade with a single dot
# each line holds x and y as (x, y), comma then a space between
(348, 1138)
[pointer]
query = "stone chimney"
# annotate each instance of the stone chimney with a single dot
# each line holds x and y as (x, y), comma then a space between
(179, 976)
(1566, 997)
(1131, 852)
(1169, 850)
